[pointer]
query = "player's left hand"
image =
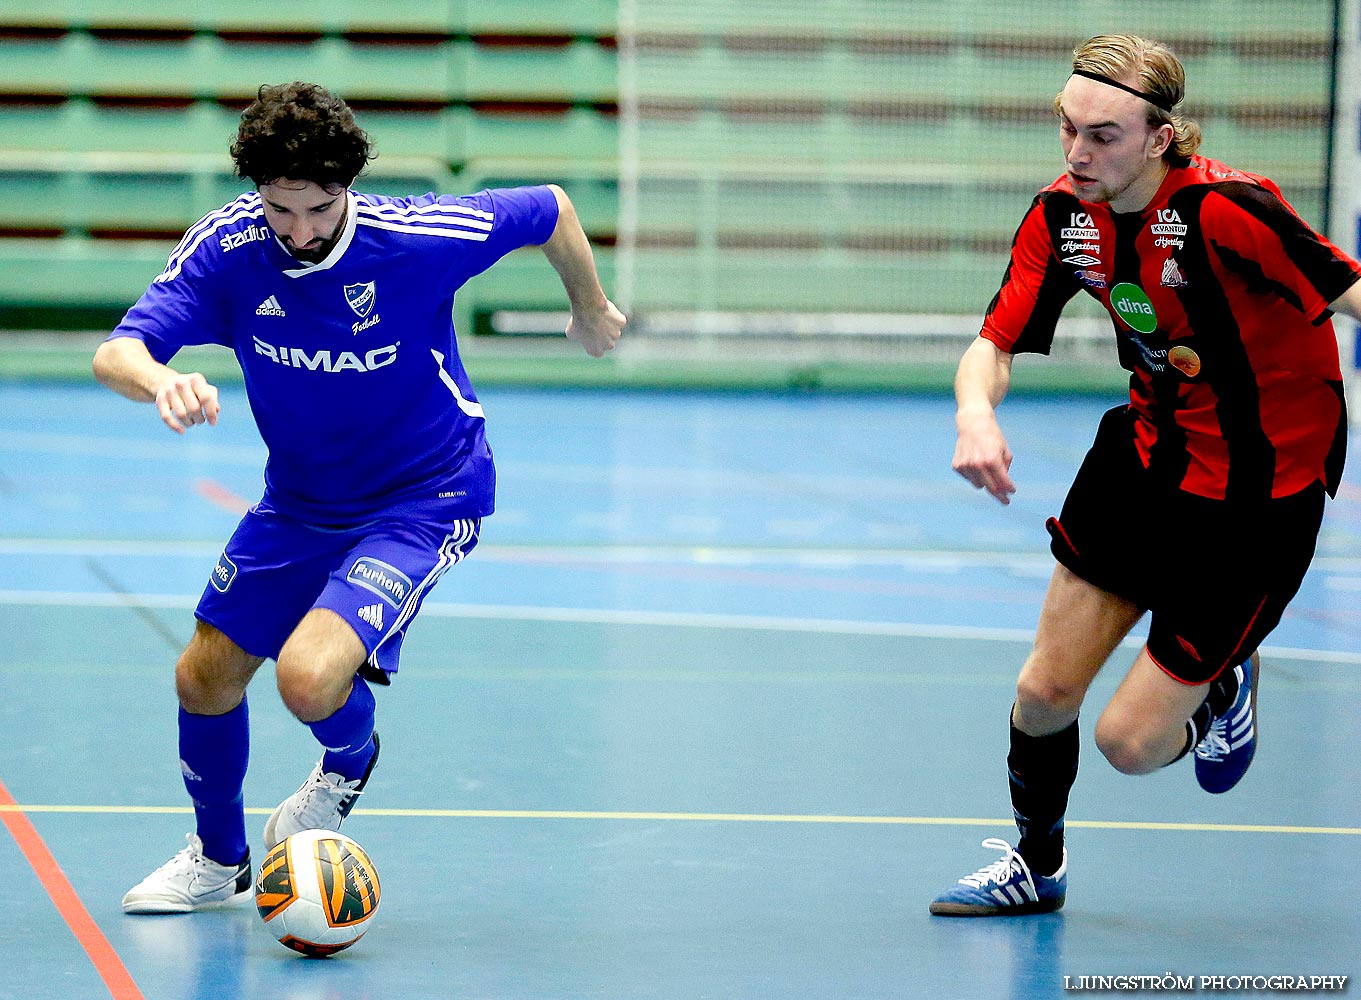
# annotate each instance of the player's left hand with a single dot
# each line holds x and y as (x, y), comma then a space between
(597, 330)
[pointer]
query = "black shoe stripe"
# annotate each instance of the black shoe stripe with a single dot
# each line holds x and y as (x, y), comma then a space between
(347, 803)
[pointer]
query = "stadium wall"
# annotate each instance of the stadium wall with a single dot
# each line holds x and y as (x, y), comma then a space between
(692, 136)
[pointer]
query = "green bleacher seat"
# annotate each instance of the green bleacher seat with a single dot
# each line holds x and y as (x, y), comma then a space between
(851, 158)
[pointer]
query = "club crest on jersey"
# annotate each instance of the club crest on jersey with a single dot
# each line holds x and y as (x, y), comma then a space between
(1173, 275)
(361, 298)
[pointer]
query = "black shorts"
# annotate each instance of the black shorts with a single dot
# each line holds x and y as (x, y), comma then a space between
(1216, 576)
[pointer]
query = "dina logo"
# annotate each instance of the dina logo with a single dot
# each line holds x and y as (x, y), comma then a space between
(361, 298)
(1131, 304)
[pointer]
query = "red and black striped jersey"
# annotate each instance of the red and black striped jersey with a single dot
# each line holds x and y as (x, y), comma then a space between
(1219, 294)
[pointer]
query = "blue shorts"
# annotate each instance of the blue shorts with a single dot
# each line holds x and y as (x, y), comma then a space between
(276, 569)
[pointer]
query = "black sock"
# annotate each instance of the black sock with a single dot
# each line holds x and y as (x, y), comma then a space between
(1196, 728)
(1223, 690)
(1042, 770)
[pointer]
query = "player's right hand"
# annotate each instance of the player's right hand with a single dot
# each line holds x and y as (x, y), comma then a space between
(983, 458)
(184, 400)
(596, 330)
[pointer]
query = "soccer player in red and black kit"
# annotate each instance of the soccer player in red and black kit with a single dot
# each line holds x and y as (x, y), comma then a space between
(1200, 500)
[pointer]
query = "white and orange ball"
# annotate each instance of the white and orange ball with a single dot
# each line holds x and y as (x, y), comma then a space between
(317, 892)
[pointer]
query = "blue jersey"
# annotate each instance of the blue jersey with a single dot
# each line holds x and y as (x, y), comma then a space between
(351, 364)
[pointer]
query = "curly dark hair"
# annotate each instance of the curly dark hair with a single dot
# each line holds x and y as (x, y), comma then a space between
(302, 132)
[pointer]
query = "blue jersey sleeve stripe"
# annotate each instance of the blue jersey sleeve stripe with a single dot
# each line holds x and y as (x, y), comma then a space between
(181, 254)
(460, 212)
(429, 220)
(406, 227)
(249, 198)
(377, 204)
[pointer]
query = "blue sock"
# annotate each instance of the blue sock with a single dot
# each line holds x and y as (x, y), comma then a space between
(214, 752)
(347, 734)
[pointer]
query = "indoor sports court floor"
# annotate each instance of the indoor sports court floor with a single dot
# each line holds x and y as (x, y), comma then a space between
(714, 711)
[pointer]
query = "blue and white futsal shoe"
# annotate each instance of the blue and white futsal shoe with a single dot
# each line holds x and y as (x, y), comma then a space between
(1226, 750)
(1004, 888)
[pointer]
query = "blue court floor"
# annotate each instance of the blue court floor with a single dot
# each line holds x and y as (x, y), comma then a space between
(714, 710)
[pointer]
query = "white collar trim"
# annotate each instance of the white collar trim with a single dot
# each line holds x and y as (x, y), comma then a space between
(337, 251)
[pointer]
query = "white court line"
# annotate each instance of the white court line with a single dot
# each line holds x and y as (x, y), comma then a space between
(707, 555)
(858, 487)
(653, 817)
(105, 547)
(656, 619)
(170, 448)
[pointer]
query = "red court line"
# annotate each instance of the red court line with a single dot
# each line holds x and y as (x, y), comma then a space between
(72, 910)
(217, 494)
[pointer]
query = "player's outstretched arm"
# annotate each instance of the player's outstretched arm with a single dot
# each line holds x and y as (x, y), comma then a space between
(596, 323)
(981, 453)
(183, 400)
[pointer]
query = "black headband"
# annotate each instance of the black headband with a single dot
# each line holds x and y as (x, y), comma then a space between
(1153, 99)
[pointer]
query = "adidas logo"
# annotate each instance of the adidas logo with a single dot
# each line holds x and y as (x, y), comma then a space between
(270, 307)
(373, 614)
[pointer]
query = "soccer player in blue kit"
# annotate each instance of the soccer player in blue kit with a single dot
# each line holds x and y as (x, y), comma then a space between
(338, 305)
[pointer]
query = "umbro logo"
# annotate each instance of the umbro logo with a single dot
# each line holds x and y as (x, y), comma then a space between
(270, 307)
(373, 614)
(1082, 260)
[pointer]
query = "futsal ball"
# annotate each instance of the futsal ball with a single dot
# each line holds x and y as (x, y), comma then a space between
(317, 891)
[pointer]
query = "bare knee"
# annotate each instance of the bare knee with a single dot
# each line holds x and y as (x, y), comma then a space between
(1144, 726)
(1045, 702)
(316, 667)
(310, 688)
(200, 688)
(1129, 750)
(212, 673)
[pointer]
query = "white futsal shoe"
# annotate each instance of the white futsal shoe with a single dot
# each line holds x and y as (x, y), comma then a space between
(189, 881)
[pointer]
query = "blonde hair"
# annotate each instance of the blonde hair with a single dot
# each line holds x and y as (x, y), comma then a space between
(1159, 73)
